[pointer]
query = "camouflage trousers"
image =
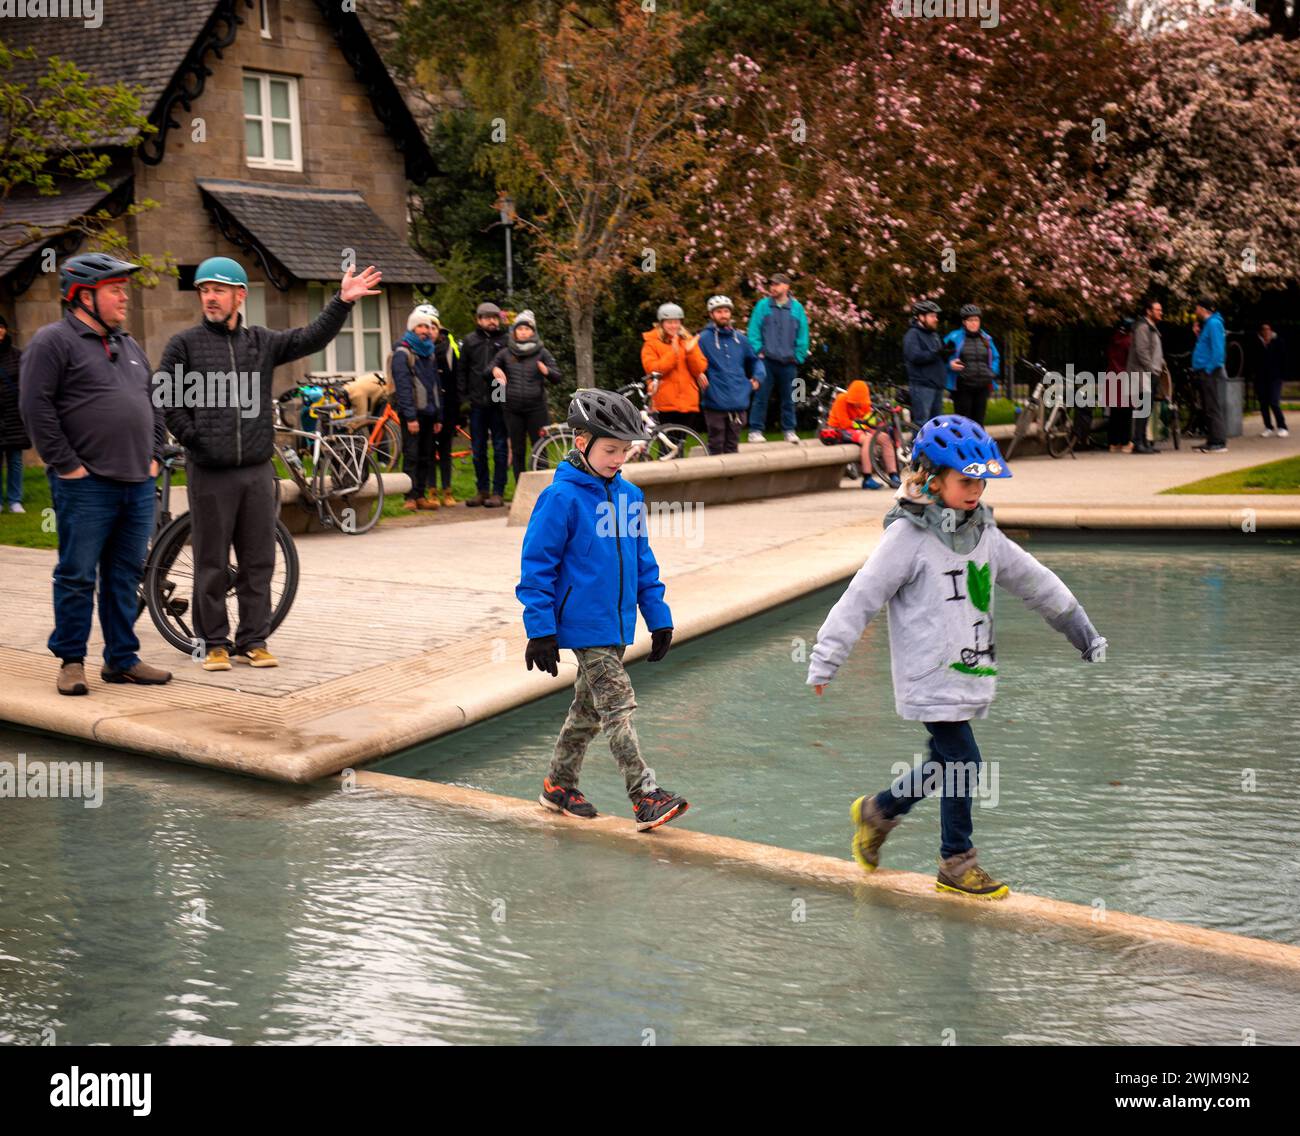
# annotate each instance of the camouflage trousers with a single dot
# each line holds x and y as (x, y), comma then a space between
(603, 699)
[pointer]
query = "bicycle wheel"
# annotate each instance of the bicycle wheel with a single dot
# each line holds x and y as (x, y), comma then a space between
(1234, 359)
(1024, 420)
(900, 440)
(671, 442)
(550, 448)
(169, 584)
(1056, 432)
(387, 447)
(346, 467)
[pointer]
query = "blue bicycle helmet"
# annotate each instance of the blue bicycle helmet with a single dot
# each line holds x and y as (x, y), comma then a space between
(955, 442)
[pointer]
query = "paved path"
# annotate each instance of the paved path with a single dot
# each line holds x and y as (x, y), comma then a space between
(411, 631)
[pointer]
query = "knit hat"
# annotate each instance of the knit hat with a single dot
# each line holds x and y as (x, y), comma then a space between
(525, 317)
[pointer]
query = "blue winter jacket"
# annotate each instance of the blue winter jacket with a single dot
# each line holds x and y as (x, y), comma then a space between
(1208, 355)
(923, 356)
(732, 363)
(586, 564)
(780, 331)
(956, 340)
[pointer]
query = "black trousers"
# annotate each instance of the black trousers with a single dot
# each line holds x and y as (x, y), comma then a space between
(1214, 390)
(232, 508)
(441, 459)
(971, 402)
(724, 430)
(524, 427)
(691, 419)
(1269, 393)
(417, 456)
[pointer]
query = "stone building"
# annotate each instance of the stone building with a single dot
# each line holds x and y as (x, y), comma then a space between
(282, 141)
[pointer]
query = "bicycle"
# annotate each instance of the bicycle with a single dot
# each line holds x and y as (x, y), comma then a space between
(891, 425)
(1054, 422)
(822, 397)
(342, 465)
(1189, 417)
(384, 434)
(168, 580)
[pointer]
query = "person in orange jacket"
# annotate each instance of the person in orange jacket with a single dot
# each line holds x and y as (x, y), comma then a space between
(675, 355)
(846, 423)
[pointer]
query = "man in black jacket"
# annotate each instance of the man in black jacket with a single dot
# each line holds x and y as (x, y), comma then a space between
(486, 413)
(924, 356)
(230, 480)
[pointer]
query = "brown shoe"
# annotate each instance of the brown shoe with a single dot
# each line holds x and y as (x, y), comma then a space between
(493, 502)
(429, 501)
(258, 657)
(448, 498)
(142, 674)
(72, 679)
(410, 505)
(477, 500)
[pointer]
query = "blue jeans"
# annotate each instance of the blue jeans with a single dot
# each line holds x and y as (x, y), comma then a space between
(927, 403)
(485, 420)
(951, 744)
(13, 465)
(103, 529)
(783, 375)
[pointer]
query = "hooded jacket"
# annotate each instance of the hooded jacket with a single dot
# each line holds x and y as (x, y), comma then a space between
(586, 564)
(732, 362)
(679, 367)
(850, 407)
(218, 436)
(938, 586)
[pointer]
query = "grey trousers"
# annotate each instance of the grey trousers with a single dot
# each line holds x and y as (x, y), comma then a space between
(232, 508)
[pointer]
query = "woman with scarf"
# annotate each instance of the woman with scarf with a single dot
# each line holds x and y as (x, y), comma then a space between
(419, 404)
(524, 367)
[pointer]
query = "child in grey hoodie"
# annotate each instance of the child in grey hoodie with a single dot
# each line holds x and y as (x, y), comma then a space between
(935, 568)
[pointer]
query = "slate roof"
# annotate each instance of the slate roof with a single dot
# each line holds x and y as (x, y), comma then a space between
(306, 229)
(51, 214)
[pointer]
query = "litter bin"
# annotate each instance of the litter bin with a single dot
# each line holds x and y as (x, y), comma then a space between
(1232, 405)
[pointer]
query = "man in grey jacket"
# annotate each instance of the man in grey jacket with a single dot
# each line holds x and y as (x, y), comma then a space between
(1146, 363)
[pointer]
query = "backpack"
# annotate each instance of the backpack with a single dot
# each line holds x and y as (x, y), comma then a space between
(420, 394)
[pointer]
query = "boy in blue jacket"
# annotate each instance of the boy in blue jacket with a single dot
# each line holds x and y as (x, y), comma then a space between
(586, 568)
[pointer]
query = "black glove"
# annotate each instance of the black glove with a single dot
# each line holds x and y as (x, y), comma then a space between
(659, 642)
(545, 652)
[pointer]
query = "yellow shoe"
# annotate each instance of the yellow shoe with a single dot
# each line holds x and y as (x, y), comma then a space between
(963, 875)
(218, 659)
(259, 657)
(872, 828)
(429, 500)
(447, 497)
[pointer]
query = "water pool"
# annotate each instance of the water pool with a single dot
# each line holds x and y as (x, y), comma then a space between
(1121, 782)
(194, 907)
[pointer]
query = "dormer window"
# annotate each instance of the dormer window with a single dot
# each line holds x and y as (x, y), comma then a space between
(272, 130)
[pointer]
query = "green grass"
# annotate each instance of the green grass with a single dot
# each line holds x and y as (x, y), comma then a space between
(1271, 477)
(30, 529)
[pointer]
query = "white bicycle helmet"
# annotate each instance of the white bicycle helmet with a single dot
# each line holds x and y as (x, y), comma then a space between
(719, 302)
(669, 312)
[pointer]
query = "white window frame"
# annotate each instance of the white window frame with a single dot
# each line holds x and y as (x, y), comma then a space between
(266, 162)
(264, 17)
(328, 289)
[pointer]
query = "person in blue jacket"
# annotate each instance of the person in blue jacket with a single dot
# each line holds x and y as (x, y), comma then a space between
(973, 366)
(735, 372)
(414, 369)
(586, 568)
(923, 357)
(1208, 368)
(778, 331)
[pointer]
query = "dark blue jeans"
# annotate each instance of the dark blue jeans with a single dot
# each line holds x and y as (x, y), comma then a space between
(783, 376)
(952, 744)
(927, 403)
(485, 421)
(103, 529)
(13, 466)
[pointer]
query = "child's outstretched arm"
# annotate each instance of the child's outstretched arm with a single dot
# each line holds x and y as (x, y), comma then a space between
(887, 569)
(1043, 592)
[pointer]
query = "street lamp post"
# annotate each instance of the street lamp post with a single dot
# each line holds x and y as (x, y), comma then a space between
(506, 206)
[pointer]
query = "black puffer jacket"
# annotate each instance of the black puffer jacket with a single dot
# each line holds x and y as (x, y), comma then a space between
(12, 434)
(525, 384)
(477, 350)
(222, 435)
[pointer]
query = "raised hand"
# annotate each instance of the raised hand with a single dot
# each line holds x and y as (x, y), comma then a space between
(355, 286)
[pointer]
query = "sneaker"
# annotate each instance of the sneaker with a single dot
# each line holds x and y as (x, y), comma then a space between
(870, 482)
(142, 674)
(895, 481)
(217, 659)
(494, 502)
(756, 436)
(872, 828)
(258, 657)
(477, 500)
(1283, 433)
(791, 436)
(570, 802)
(1211, 449)
(963, 875)
(1267, 434)
(657, 807)
(17, 507)
(72, 679)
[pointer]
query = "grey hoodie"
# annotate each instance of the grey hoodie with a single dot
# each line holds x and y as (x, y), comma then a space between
(938, 582)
